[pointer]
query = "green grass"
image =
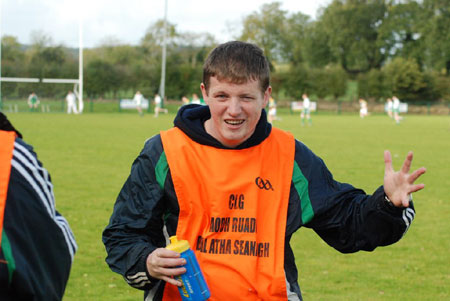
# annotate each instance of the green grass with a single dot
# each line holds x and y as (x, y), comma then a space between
(89, 157)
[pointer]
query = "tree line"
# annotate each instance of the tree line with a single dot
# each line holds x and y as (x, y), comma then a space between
(387, 47)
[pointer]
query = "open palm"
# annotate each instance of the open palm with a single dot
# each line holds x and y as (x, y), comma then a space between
(398, 185)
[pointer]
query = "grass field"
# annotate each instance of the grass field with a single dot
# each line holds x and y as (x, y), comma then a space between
(89, 157)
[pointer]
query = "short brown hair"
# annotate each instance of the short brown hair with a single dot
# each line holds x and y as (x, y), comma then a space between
(237, 62)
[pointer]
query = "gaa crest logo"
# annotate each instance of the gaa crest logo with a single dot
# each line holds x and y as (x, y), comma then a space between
(263, 184)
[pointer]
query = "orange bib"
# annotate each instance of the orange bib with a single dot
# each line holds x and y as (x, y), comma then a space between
(6, 153)
(233, 210)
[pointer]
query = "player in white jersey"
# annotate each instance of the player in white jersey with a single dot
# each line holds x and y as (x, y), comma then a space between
(158, 105)
(138, 99)
(306, 109)
(71, 103)
(363, 112)
(396, 109)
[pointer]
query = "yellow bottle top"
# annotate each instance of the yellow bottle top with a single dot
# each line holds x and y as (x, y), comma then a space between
(178, 245)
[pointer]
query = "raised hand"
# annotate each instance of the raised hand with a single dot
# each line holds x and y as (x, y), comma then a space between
(398, 185)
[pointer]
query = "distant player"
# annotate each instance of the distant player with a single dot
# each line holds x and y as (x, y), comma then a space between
(33, 102)
(138, 99)
(158, 105)
(184, 100)
(389, 107)
(306, 110)
(272, 110)
(71, 103)
(396, 109)
(196, 100)
(363, 108)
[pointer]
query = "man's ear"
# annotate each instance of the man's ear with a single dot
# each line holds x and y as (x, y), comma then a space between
(204, 92)
(267, 95)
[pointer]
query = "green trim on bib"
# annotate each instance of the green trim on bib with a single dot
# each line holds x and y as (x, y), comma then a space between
(301, 185)
(161, 170)
(7, 252)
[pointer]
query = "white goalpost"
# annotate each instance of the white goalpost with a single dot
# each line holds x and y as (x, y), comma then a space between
(78, 83)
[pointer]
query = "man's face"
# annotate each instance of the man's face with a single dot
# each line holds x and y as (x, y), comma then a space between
(235, 109)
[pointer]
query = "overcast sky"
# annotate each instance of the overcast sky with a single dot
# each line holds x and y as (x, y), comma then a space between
(127, 20)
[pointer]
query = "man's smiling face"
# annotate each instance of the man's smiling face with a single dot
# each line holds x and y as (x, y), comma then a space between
(235, 109)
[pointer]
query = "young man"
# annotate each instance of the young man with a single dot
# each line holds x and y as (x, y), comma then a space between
(306, 110)
(71, 103)
(363, 111)
(37, 245)
(33, 102)
(138, 99)
(388, 107)
(272, 115)
(396, 109)
(158, 105)
(211, 180)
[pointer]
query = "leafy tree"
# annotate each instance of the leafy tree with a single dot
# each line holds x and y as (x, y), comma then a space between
(293, 38)
(101, 77)
(441, 87)
(373, 85)
(266, 29)
(335, 80)
(44, 60)
(400, 30)
(123, 58)
(152, 42)
(318, 53)
(11, 50)
(435, 31)
(11, 62)
(352, 27)
(404, 78)
(296, 81)
(319, 83)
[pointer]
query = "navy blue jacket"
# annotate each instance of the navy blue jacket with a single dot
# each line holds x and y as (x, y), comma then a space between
(37, 245)
(146, 209)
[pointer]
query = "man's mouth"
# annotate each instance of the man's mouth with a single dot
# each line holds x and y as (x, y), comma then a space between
(234, 122)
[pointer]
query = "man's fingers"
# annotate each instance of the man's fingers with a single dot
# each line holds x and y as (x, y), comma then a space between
(417, 187)
(165, 263)
(171, 271)
(387, 162)
(164, 253)
(416, 174)
(171, 281)
(167, 274)
(166, 258)
(405, 202)
(407, 164)
(171, 262)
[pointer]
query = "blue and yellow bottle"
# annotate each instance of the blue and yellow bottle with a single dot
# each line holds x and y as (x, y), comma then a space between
(194, 287)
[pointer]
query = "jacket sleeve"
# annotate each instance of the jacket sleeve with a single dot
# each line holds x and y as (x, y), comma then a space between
(345, 217)
(37, 243)
(136, 226)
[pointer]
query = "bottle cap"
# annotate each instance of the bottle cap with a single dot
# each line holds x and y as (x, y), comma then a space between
(178, 245)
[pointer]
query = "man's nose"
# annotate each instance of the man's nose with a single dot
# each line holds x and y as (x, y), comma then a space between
(234, 107)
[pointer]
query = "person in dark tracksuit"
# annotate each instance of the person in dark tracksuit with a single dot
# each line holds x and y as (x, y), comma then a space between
(179, 180)
(37, 244)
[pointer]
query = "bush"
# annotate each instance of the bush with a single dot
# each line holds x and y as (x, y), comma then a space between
(373, 85)
(404, 79)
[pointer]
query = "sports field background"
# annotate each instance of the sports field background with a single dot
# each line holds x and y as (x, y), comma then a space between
(89, 158)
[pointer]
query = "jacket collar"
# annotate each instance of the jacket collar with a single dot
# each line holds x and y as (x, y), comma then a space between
(191, 119)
